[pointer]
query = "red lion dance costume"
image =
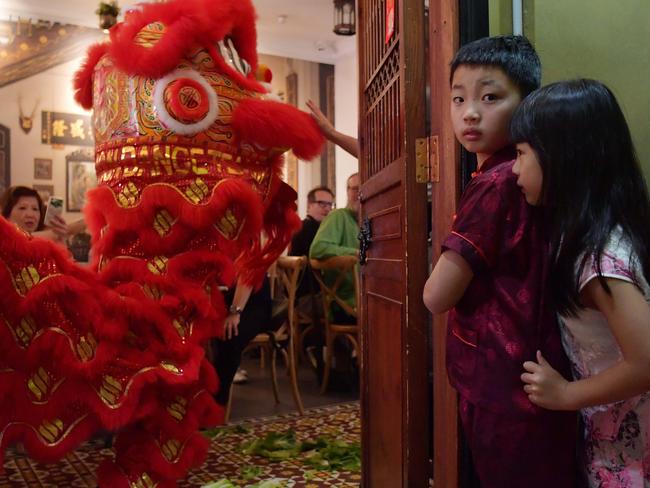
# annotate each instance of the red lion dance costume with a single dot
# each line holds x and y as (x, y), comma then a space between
(188, 159)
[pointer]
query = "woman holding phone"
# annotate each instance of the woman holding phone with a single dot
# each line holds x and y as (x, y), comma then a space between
(24, 207)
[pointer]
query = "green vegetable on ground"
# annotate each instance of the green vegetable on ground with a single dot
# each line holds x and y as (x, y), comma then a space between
(324, 453)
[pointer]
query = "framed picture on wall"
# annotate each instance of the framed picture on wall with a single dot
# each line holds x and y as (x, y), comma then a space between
(5, 158)
(45, 191)
(80, 177)
(292, 89)
(42, 169)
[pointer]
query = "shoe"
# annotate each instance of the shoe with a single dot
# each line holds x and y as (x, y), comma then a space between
(310, 352)
(241, 376)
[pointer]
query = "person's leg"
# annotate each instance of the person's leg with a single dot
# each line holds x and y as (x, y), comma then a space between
(227, 353)
(535, 452)
(468, 478)
(344, 374)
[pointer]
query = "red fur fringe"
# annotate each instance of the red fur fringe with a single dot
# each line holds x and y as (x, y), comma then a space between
(137, 452)
(188, 23)
(276, 124)
(191, 220)
(280, 223)
(83, 80)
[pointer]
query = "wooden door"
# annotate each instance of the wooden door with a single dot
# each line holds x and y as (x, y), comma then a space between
(394, 399)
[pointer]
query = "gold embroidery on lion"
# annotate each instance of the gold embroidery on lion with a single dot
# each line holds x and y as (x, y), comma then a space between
(152, 291)
(197, 191)
(183, 327)
(110, 387)
(177, 409)
(42, 385)
(150, 34)
(51, 431)
(171, 450)
(39, 383)
(143, 481)
(86, 347)
(26, 330)
(26, 279)
(163, 222)
(158, 265)
(228, 225)
(111, 390)
(129, 195)
(171, 367)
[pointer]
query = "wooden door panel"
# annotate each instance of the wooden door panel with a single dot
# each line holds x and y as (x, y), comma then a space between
(387, 224)
(385, 397)
(382, 321)
(393, 319)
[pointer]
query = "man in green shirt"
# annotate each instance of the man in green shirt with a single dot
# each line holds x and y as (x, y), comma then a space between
(338, 236)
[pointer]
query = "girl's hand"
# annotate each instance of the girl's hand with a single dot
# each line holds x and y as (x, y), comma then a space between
(545, 386)
(231, 326)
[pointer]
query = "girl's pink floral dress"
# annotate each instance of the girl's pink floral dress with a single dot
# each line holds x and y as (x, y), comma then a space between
(616, 437)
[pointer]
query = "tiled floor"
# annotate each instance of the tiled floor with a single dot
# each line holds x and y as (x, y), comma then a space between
(255, 398)
(250, 401)
(225, 459)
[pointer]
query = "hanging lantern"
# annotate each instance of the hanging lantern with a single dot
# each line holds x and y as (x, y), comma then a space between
(344, 18)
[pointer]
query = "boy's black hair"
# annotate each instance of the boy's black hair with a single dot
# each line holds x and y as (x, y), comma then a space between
(592, 182)
(514, 55)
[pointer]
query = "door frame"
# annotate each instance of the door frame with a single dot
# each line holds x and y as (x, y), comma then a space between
(452, 23)
(445, 190)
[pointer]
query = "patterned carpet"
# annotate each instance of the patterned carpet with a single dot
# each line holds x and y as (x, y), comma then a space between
(225, 460)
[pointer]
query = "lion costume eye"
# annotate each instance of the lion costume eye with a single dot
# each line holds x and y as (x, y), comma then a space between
(232, 58)
(185, 102)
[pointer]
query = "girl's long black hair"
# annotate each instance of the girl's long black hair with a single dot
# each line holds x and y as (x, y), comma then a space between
(592, 179)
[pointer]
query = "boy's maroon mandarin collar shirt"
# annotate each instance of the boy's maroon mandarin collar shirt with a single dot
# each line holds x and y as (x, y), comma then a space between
(504, 155)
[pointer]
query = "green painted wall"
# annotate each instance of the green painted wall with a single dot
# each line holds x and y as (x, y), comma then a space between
(602, 39)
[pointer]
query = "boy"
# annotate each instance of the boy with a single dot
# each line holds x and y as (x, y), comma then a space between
(492, 272)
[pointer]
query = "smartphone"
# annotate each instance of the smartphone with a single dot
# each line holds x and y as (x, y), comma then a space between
(53, 209)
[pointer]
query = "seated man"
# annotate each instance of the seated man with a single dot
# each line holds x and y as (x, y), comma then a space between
(338, 236)
(320, 201)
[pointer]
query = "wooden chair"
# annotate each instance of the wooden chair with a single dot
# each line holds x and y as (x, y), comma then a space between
(284, 279)
(343, 265)
(307, 319)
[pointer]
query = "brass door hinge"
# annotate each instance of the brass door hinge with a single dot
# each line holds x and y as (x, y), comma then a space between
(427, 160)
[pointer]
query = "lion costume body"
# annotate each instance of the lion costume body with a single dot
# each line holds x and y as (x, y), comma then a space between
(188, 158)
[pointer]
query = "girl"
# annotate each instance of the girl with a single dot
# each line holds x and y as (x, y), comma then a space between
(575, 158)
